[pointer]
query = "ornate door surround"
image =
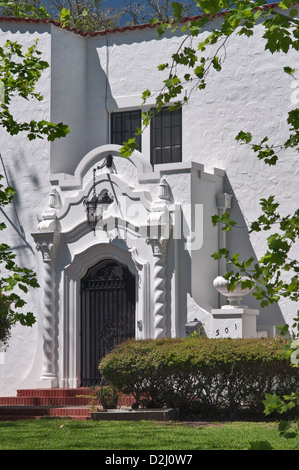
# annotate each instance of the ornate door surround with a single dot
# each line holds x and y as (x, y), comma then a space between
(137, 242)
(71, 347)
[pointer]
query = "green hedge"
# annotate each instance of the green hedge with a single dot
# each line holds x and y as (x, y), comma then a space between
(227, 376)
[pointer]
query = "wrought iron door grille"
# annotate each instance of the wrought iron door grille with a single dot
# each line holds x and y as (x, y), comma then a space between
(107, 315)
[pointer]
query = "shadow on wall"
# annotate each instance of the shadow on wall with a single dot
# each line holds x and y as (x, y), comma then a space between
(177, 299)
(238, 241)
(13, 210)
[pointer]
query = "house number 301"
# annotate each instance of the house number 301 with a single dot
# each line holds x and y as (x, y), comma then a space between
(226, 330)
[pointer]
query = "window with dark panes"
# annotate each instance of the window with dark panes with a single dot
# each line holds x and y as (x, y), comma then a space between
(123, 127)
(166, 137)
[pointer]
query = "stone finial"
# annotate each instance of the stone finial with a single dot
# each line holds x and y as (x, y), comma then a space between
(49, 220)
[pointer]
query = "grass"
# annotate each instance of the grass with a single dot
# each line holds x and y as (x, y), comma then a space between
(66, 434)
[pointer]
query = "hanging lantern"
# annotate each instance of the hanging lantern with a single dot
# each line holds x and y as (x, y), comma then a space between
(95, 206)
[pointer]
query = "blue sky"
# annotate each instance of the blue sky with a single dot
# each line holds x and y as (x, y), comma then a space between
(117, 3)
(113, 3)
(121, 3)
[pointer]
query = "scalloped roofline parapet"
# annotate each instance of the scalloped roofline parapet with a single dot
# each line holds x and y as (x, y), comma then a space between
(94, 157)
(120, 29)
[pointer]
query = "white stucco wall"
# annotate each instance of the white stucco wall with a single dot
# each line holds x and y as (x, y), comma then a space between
(92, 76)
(251, 93)
(68, 98)
(25, 166)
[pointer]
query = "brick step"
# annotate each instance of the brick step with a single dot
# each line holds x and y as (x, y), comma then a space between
(76, 393)
(35, 412)
(41, 401)
(60, 402)
(53, 392)
(22, 418)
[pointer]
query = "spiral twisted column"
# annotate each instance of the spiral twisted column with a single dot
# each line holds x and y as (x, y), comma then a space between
(159, 247)
(48, 249)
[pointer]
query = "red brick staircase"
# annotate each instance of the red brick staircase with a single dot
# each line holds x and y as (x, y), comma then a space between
(72, 403)
(37, 403)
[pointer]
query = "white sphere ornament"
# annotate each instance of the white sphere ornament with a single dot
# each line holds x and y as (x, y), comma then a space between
(234, 296)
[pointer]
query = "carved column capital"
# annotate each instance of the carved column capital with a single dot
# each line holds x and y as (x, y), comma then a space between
(47, 244)
(47, 250)
(158, 244)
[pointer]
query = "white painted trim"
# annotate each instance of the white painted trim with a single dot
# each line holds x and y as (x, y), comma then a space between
(112, 180)
(94, 157)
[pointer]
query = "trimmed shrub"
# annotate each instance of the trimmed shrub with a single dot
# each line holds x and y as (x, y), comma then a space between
(208, 376)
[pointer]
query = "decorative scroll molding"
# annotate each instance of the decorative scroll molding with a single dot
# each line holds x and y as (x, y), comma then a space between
(49, 218)
(94, 157)
(110, 273)
(108, 333)
(159, 214)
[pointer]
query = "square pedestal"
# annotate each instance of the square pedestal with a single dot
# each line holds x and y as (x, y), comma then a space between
(47, 383)
(239, 322)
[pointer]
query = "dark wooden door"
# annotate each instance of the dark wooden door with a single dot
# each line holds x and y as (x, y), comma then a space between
(107, 315)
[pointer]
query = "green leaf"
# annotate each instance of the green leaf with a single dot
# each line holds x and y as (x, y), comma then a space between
(284, 428)
(216, 64)
(177, 9)
(293, 12)
(128, 147)
(216, 255)
(199, 71)
(161, 67)
(65, 17)
(23, 287)
(289, 70)
(272, 403)
(246, 136)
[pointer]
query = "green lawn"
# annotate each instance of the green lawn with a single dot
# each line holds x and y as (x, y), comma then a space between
(64, 434)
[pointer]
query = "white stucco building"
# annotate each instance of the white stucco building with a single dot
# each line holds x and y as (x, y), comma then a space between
(146, 270)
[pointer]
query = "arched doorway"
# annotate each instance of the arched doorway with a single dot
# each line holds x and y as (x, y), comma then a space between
(107, 314)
